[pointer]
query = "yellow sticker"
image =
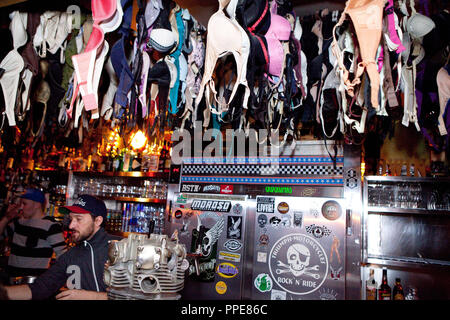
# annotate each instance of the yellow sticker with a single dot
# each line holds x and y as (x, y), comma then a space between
(221, 287)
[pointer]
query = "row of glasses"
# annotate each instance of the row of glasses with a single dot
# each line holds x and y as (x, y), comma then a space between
(400, 195)
(151, 189)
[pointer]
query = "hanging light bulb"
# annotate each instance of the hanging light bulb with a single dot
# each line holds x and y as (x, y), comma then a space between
(138, 140)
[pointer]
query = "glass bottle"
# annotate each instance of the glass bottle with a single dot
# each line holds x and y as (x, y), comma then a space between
(384, 292)
(371, 287)
(397, 293)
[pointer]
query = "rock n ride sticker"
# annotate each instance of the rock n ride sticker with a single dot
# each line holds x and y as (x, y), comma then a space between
(298, 264)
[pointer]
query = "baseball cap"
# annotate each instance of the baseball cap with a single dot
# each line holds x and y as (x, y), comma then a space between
(34, 194)
(86, 204)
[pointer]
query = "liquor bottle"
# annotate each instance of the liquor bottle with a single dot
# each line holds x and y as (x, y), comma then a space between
(384, 292)
(388, 170)
(397, 292)
(404, 171)
(412, 170)
(380, 169)
(371, 287)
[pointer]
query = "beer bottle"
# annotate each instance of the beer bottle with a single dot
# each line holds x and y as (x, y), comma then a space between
(384, 292)
(371, 287)
(397, 293)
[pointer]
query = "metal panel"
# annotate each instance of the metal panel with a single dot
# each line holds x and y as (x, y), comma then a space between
(299, 249)
(401, 234)
(352, 195)
(217, 258)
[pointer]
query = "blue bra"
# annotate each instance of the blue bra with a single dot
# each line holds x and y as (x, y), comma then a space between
(176, 55)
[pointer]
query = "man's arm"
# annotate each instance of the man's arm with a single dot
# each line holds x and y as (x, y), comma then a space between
(20, 292)
(11, 213)
(75, 294)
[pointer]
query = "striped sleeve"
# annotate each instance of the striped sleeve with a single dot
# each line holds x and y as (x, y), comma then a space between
(9, 230)
(56, 239)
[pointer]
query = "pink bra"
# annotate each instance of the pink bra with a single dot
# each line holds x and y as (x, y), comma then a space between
(107, 16)
(279, 30)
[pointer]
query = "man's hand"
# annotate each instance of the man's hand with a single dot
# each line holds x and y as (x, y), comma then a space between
(74, 294)
(12, 211)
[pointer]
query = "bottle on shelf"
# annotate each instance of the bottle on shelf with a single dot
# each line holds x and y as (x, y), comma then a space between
(397, 292)
(412, 170)
(388, 170)
(384, 292)
(371, 287)
(404, 171)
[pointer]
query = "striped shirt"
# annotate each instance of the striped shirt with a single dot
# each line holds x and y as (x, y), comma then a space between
(33, 242)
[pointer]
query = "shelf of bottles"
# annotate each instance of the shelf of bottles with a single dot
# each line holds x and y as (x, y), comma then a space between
(135, 200)
(135, 217)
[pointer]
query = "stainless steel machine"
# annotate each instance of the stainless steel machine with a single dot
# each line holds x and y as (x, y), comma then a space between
(280, 228)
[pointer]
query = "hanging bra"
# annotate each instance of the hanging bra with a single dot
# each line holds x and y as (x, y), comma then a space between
(279, 30)
(108, 98)
(224, 36)
(392, 26)
(88, 64)
(152, 10)
(367, 19)
(443, 83)
(173, 100)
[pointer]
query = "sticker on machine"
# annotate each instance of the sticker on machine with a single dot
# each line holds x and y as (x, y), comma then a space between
(227, 270)
(234, 227)
(221, 287)
(262, 257)
(277, 295)
(298, 264)
(233, 245)
(263, 282)
(265, 204)
(211, 205)
(331, 210)
(229, 256)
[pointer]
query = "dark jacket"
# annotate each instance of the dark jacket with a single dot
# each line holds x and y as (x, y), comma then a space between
(79, 268)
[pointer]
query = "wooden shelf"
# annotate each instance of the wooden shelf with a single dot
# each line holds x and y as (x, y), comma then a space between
(132, 174)
(130, 199)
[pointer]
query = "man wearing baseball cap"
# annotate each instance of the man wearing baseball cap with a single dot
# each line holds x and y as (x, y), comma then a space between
(33, 236)
(81, 267)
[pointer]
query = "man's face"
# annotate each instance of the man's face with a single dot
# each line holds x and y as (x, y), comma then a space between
(28, 208)
(82, 226)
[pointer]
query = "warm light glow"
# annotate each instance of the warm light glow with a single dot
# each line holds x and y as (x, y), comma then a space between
(363, 169)
(138, 140)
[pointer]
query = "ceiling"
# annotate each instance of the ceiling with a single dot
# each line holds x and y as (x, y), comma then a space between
(200, 9)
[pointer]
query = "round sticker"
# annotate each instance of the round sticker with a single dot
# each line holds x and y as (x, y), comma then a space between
(298, 264)
(283, 207)
(263, 282)
(178, 214)
(331, 210)
(221, 287)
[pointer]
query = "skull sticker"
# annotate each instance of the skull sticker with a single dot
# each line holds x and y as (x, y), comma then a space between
(262, 220)
(298, 264)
